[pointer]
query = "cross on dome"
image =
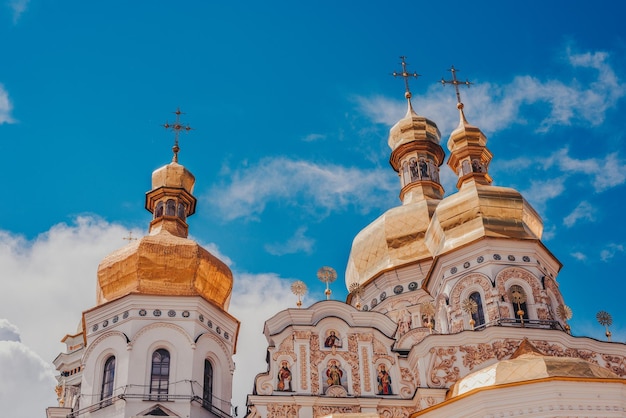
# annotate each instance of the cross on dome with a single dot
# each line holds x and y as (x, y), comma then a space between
(405, 74)
(456, 83)
(177, 127)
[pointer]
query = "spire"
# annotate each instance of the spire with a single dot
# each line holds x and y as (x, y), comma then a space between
(415, 151)
(456, 84)
(406, 75)
(171, 200)
(469, 156)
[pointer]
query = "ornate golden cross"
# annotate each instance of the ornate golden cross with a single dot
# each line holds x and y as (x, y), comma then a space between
(405, 74)
(455, 83)
(177, 127)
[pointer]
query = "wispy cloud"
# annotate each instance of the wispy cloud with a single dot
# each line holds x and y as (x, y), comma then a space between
(5, 106)
(579, 256)
(583, 211)
(500, 106)
(610, 251)
(600, 174)
(18, 7)
(313, 137)
(541, 191)
(299, 242)
(313, 187)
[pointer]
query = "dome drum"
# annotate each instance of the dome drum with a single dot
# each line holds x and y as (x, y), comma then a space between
(163, 194)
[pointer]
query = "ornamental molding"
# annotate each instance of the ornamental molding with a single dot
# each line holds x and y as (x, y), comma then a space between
(285, 348)
(282, 411)
(156, 325)
(320, 411)
(101, 338)
(394, 411)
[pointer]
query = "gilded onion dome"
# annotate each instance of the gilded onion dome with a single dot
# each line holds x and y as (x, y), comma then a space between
(478, 209)
(397, 237)
(166, 262)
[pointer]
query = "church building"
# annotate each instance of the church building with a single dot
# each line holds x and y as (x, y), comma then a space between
(454, 311)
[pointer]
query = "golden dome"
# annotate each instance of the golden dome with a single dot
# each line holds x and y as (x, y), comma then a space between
(413, 127)
(394, 239)
(478, 211)
(529, 366)
(164, 264)
(397, 237)
(173, 175)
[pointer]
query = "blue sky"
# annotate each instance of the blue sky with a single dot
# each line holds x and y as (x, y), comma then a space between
(291, 105)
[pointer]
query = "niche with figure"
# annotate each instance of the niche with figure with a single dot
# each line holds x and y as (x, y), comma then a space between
(334, 375)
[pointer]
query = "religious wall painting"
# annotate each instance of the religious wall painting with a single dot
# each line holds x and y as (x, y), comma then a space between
(384, 380)
(334, 375)
(333, 339)
(284, 378)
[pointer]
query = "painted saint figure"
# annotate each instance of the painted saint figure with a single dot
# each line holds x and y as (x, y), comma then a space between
(384, 381)
(332, 340)
(334, 374)
(284, 378)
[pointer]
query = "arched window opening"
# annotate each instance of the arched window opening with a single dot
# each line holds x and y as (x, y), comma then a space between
(479, 315)
(518, 297)
(207, 392)
(170, 208)
(159, 210)
(160, 375)
(413, 169)
(423, 168)
(181, 211)
(107, 382)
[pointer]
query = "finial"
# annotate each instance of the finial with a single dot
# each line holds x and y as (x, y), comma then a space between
(470, 307)
(357, 290)
(327, 275)
(405, 74)
(299, 289)
(456, 83)
(565, 313)
(605, 318)
(177, 126)
(517, 295)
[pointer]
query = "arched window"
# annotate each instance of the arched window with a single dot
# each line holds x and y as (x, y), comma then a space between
(207, 393)
(479, 315)
(160, 375)
(107, 382)
(181, 211)
(159, 210)
(170, 208)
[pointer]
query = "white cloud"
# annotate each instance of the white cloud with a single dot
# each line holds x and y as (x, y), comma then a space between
(299, 242)
(313, 137)
(579, 256)
(310, 186)
(8, 331)
(5, 106)
(611, 251)
(495, 107)
(27, 384)
(584, 210)
(540, 191)
(18, 7)
(256, 298)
